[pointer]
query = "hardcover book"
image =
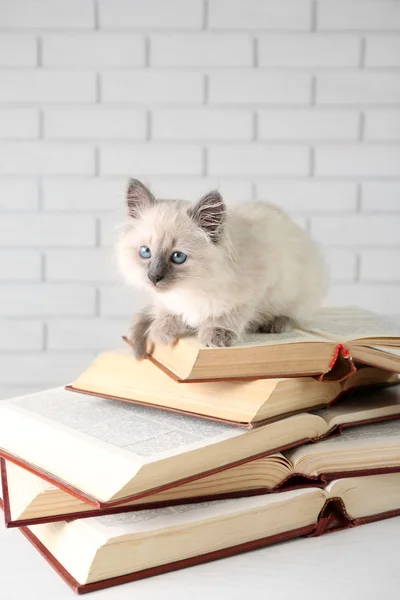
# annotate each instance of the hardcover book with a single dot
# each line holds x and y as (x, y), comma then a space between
(95, 553)
(326, 347)
(364, 450)
(107, 453)
(118, 376)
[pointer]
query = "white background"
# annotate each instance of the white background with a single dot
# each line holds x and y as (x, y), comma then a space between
(288, 100)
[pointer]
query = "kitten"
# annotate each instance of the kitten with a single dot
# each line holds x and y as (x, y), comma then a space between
(215, 270)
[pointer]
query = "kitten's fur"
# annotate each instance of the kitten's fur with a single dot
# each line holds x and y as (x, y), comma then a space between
(248, 268)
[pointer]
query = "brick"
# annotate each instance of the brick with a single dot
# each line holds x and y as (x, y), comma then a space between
(150, 159)
(381, 196)
(46, 300)
(382, 51)
(18, 195)
(383, 299)
(97, 194)
(19, 123)
(20, 335)
(357, 230)
(380, 265)
(382, 125)
(291, 15)
(154, 14)
(309, 51)
(341, 264)
(194, 188)
(154, 87)
(358, 88)
(17, 50)
(205, 50)
(202, 125)
(95, 123)
(103, 50)
(309, 196)
(42, 230)
(346, 15)
(86, 334)
(257, 87)
(36, 158)
(120, 301)
(47, 86)
(46, 14)
(20, 265)
(258, 159)
(56, 368)
(368, 161)
(109, 228)
(308, 125)
(79, 265)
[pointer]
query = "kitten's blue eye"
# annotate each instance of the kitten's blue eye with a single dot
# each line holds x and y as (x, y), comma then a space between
(145, 252)
(178, 257)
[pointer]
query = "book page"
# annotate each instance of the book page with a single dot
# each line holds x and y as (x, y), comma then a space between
(352, 323)
(387, 349)
(371, 435)
(363, 404)
(294, 336)
(140, 430)
(159, 518)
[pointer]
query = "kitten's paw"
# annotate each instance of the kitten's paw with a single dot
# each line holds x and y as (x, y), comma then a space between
(138, 341)
(163, 333)
(217, 337)
(276, 325)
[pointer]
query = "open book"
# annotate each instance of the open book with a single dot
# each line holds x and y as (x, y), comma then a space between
(119, 376)
(336, 334)
(107, 453)
(94, 553)
(364, 450)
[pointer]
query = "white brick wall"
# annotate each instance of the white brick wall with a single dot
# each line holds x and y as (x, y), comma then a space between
(46, 86)
(94, 123)
(294, 101)
(20, 123)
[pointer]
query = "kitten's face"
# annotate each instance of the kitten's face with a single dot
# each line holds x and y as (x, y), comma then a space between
(163, 246)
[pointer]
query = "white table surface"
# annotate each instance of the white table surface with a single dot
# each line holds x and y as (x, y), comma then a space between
(357, 564)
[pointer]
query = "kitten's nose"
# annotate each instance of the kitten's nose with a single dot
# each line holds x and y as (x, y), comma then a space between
(155, 277)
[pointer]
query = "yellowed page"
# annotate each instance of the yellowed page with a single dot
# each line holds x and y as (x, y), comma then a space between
(102, 547)
(369, 495)
(119, 374)
(388, 349)
(363, 405)
(352, 440)
(352, 323)
(79, 438)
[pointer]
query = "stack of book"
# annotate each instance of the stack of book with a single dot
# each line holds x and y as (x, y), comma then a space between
(139, 468)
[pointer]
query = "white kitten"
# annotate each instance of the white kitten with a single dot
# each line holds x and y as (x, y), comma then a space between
(217, 270)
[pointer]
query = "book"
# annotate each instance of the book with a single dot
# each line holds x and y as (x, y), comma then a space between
(107, 452)
(364, 450)
(117, 375)
(326, 347)
(98, 552)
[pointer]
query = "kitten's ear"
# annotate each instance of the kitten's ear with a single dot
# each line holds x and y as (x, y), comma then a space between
(209, 214)
(138, 198)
